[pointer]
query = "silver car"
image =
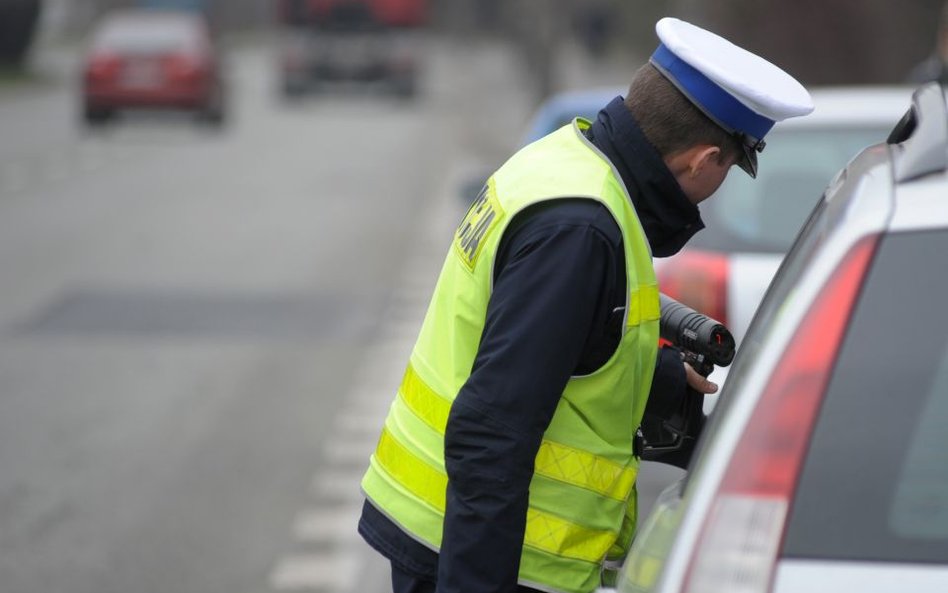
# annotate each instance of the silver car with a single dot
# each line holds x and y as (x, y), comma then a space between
(751, 223)
(824, 466)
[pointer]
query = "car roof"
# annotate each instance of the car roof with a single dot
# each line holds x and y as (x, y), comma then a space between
(141, 27)
(840, 106)
(885, 188)
(854, 105)
(150, 17)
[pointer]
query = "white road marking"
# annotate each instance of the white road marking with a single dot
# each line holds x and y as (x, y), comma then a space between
(338, 484)
(388, 364)
(400, 327)
(374, 405)
(327, 525)
(355, 435)
(56, 167)
(362, 423)
(91, 157)
(13, 177)
(349, 451)
(336, 571)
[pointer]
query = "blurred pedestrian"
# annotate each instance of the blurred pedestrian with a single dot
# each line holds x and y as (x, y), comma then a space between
(595, 23)
(507, 461)
(934, 67)
(18, 23)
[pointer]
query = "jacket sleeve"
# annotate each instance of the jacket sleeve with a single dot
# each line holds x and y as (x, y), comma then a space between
(670, 400)
(668, 384)
(551, 287)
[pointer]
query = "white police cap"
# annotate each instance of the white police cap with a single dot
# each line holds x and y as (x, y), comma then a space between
(740, 91)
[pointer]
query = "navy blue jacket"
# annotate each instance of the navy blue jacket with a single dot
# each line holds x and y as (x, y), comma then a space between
(558, 279)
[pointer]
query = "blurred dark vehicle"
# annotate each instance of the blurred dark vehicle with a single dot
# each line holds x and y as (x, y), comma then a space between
(595, 24)
(823, 467)
(153, 59)
(192, 5)
(391, 13)
(18, 20)
(560, 109)
(725, 269)
(365, 41)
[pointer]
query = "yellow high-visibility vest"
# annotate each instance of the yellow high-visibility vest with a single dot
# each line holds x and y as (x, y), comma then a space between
(582, 495)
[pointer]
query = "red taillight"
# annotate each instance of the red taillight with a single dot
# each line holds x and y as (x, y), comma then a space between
(103, 66)
(182, 66)
(738, 546)
(697, 279)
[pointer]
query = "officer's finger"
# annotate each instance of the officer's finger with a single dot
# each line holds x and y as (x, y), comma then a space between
(697, 382)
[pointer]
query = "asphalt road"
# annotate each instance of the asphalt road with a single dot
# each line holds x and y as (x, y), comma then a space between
(200, 331)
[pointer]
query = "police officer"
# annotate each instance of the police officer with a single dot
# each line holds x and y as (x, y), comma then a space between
(506, 460)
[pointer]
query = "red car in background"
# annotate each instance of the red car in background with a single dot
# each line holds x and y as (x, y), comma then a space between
(152, 59)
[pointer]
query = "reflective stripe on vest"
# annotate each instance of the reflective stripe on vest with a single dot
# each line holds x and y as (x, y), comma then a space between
(543, 531)
(554, 460)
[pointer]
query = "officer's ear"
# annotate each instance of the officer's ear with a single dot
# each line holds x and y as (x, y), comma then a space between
(702, 156)
(687, 164)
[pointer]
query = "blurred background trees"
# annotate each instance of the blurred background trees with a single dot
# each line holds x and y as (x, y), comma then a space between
(829, 41)
(18, 20)
(819, 41)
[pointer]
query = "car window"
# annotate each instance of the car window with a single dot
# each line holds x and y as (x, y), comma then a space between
(147, 35)
(765, 214)
(781, 289)
(874, 485)
(826, 217)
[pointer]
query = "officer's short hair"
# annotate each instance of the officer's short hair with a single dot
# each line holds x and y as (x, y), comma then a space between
(670, 121)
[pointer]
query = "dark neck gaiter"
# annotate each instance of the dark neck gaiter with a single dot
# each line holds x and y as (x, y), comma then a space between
(668, 218)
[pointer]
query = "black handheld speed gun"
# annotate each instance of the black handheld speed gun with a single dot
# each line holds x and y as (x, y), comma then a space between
(704, 343)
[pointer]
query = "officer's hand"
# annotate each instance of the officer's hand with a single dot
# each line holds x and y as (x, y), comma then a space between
(697, 382)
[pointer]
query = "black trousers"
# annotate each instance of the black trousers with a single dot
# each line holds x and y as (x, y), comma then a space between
(403, 582)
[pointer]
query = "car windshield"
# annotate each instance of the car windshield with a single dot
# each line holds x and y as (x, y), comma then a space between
(765, 214)
(147, 35)
(874, 485)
